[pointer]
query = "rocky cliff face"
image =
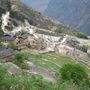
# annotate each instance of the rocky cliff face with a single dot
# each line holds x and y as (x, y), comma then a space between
(19, 12)
(74, 13)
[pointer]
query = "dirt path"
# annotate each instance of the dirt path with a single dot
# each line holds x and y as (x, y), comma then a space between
(41, 71)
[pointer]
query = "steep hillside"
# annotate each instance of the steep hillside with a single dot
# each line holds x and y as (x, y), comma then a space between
(37, 53)
(20, 11)
(74, 13)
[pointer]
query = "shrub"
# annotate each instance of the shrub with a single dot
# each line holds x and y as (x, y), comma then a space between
(1, 32)
(13, 46)
(19, 57)
(75, 73)
(82, 35)
(1, 45)
(60, 29)
(2, 71)
(84, 48)
(19, 60)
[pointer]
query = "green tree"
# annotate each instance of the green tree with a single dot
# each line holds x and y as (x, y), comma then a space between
(82, 35)
(19, 57)
(84, 48)
(60, 29)
(75, 73)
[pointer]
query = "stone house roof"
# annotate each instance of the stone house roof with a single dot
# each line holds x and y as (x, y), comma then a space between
(6, 53)
(8, 38)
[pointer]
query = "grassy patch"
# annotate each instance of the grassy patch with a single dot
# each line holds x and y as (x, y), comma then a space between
(50, 61)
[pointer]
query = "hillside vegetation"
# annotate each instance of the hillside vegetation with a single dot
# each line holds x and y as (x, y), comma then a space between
(69, 76)
(37, 53)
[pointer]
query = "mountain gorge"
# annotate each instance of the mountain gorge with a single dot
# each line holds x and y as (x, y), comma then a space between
(39, 53)
(74, 13)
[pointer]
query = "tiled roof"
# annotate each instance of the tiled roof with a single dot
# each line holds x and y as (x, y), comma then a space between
(6, 52)
(8, 38)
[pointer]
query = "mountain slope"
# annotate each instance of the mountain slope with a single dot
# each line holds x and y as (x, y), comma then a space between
(20, 11)
(74, 13)
(31, 58)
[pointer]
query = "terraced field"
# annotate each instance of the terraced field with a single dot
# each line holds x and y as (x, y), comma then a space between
(50, 61)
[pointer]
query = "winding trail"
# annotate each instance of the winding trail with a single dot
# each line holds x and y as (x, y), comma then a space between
(41, 71)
